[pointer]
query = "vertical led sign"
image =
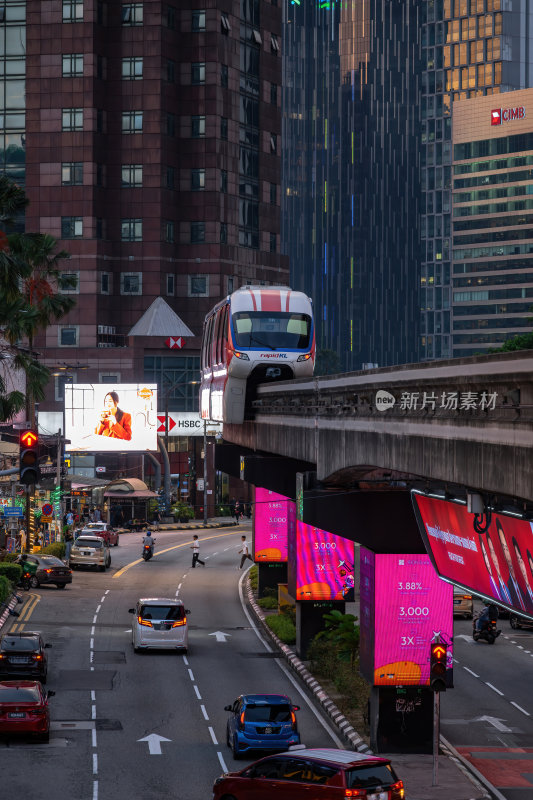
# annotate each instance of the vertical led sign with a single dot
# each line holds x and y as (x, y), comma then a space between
(325, 565)
(273, 516)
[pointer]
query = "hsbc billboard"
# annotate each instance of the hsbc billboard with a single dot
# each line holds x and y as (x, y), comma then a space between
(498, 116)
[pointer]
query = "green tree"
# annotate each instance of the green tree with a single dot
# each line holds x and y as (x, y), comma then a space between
(327, 362)
(523, 341)
(343, 634)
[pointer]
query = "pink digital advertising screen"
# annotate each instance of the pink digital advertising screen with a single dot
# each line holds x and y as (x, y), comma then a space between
(325, 566)
(273, 516)
(411, 605)
(497, 564)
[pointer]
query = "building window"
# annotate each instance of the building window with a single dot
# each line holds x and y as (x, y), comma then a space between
(273, 143)
(223, 233)
(171, 17)
(197, 232)
(68, 335)
(71, 227)
(171, 124)
(198, 285)
(132, 121)
(131, 282)
(132, 14)
(273, 194)
(231, 284)
(72, 11)
(170, 177)
(197, 179)
(225, 27)
(272, 242)
(274, 43)
(131, 230)
(105, 282)
(104, 377)
(223, 181)
(171, 285)
(171, 71)
(168, 231)
(72, 119)
(256, 37)
(60, 381)
(224, 76)
(223, 127)
(100, 120)
(274, 94)
(198, 21)
(72, 173)
(197, 127)
(132, 69)
(69, 283)
(198, 73)
(99, 228)
(132, 175)
(72, 65)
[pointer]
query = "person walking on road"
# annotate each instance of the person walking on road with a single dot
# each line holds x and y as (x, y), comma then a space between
(69, 540)
(195, 547)
(245, 550)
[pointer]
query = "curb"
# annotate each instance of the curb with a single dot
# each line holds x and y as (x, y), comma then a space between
(337, 717)
(11, 603)
(473, 774)
(177, 527)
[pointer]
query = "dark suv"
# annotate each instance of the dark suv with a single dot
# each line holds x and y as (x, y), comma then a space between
(305, 773)
(24, 655)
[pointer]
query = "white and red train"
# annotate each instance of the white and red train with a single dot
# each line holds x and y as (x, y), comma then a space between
(255, 335)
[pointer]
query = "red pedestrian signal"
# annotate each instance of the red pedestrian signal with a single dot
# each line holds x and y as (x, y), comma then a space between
(437, 667)
(29, 457)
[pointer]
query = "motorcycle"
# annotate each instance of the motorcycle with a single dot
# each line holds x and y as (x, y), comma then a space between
(489, 632)
(25, 581)
(147, 552)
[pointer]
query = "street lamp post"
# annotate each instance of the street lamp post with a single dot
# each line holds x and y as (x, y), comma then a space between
(167, 392)
(205, 472)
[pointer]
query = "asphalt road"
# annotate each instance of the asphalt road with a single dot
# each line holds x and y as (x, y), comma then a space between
(488, 716)
(109, 699)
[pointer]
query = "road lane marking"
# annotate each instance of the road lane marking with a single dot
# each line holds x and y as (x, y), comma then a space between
(95, 764)
(102, 599)
(471, 672)
(212, 732)
(198, 695)
(95, 790)
(94, 736)
(91, 645)
(91, 658)
(191, 676)
(93, 696)
(92, 631)
(106, 591)
(494, 689)
(204, 712)
(94, 618)
(168, 550)
(98, 609)
(93, 712)
(185, 661)
(520, 708)
(222, 762)
(180, 585)
(214, 554)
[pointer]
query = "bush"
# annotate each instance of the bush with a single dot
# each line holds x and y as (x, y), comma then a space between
(282, 626)
(267, 602)
(8, 557)
(222, 511)
(182, 511)
(270, 591)
(5, 588)
(13, 572)
(253, 576)
(56, 549)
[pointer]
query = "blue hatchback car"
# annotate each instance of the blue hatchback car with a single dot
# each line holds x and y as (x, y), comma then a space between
(261, 722)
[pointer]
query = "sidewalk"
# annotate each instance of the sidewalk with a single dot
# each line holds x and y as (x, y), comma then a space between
(194, 524)
(415, 770)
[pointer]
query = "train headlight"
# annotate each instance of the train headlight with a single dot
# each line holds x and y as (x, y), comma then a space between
(304, 357)
(244, 356)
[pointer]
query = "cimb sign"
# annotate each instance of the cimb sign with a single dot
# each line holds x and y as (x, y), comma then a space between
(500, 115)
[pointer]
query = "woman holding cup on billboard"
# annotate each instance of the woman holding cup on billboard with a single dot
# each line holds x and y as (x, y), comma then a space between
(114, 422)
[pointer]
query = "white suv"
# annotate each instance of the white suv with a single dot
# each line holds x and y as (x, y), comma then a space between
(90, 551)
(159, 622)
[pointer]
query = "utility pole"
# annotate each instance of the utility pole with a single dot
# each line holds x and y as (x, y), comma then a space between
(205, 472)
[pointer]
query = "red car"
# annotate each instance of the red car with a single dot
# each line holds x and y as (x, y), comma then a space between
(24, 709)
(101, 529)
(302, 774)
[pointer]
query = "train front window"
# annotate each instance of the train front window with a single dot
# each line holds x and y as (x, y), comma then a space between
(274, 330)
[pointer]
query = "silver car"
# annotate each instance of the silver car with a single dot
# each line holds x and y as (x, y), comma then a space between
(159, 622)
(90, 551)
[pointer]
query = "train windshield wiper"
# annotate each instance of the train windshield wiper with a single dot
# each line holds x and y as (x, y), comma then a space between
(260, 341)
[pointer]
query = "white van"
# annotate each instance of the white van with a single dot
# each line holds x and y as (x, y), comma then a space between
(159, 622)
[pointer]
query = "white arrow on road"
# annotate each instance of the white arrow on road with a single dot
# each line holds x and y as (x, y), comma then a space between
(221, 636)
(154, 743)
(498, 723)
(464, 636)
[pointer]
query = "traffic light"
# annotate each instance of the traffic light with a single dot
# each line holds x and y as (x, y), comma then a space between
(29, 457)
(437, 667)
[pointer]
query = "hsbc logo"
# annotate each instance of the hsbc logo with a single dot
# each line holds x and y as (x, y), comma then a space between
(500, 115)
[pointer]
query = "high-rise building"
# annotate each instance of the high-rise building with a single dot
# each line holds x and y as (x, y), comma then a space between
(492, 216)
(472, 48)
(147, 136)
(351, 168)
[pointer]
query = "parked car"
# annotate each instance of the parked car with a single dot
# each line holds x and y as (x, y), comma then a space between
(23, 654)
(299, 772)
(90, 551)
(159, 623)
(45, 569)
(24, 709)
(261, 722)
(516, 621)
(463, 604)
(102, 529)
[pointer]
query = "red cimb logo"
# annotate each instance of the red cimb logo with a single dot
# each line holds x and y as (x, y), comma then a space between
(496, 116)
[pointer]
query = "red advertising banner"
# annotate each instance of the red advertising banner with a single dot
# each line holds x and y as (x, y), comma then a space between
(497, 565)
